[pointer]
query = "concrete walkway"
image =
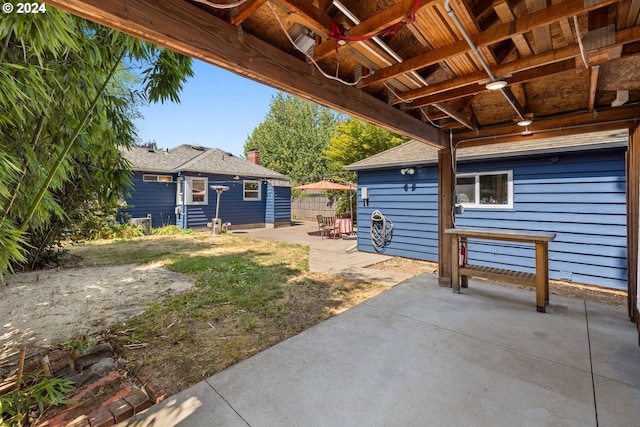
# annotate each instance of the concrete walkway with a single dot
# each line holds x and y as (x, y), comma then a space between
(330, 256)
(420, 355)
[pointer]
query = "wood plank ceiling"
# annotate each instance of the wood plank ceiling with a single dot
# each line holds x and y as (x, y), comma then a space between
(419, 67)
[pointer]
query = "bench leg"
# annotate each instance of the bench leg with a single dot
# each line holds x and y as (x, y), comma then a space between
(455, 264)
(542, 276)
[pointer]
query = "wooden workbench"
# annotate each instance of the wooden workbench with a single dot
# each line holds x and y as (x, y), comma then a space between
(540, 280)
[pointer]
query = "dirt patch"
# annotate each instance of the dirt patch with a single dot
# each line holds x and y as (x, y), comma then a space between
(45, 307)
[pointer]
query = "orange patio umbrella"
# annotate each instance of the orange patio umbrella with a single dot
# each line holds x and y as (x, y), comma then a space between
(324, 185)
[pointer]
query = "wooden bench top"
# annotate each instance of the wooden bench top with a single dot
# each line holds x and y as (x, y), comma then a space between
(502, 234)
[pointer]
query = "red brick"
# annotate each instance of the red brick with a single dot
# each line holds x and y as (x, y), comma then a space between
(124, 390)
(81, 421)
(138, 400)
(101, 417)
(120, 409)
(155, 392)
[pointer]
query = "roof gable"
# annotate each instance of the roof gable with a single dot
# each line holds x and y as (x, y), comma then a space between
(194, 158)
(415, 152)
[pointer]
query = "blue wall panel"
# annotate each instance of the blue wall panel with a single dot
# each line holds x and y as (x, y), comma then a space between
(270, 205)
(232, 208)
(155, 198)
(410, 203)
(282, 204)
(159, 200)
(580, 197)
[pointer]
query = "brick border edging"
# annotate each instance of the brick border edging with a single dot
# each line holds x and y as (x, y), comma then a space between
(114, 411)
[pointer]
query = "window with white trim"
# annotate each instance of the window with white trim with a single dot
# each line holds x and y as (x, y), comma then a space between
(193, 190)
(485, 189)
(251, 190)
(147, 177)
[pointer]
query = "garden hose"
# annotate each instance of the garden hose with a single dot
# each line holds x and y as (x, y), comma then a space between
(380, 230)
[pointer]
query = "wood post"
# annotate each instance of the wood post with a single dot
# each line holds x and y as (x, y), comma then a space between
(633, 215)
(445, 212)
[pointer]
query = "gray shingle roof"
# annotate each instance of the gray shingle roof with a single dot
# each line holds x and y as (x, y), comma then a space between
(414, 152)
(188, 158)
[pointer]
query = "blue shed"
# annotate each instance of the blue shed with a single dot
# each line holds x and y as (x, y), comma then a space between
(173, 187)
(572, 186)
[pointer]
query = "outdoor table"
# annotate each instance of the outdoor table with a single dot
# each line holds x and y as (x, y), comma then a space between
(540, 279)
(344, 226)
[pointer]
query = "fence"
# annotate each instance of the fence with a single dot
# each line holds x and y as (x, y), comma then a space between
(308, 208)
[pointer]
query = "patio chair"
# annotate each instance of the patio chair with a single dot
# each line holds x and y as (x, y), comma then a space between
(327, 226)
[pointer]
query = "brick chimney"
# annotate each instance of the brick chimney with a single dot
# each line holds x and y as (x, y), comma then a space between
(254, 156)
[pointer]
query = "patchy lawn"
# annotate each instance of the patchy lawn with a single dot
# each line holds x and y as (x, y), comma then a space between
(248, 295)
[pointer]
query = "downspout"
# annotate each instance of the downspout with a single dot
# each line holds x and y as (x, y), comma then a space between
(474, 49)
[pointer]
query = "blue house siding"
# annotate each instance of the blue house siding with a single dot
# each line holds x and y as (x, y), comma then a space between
(279, 205)
(410, 203)
(233, 209)
(155, 198)
(580, 197)
(270, 205)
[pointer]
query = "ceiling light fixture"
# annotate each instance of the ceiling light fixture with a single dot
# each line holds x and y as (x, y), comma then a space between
(525, 122)
(496, 85)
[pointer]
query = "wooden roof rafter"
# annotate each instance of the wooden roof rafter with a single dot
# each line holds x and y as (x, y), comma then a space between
(183, 27)
(488, 37)
(423, 68)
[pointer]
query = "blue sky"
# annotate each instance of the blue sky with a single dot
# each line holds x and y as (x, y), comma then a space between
(218, 109)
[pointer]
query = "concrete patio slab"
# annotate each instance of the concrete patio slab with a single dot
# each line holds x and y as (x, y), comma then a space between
(420, 355)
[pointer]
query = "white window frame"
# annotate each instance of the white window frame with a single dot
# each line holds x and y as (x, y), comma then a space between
(244, 191)
(477, 204)
(187, 186)
(151, 177)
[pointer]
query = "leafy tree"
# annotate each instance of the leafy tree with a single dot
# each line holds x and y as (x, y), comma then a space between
(293, 138)
(355, 140)
(66, 108)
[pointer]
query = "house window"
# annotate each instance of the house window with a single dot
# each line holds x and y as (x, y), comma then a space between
(251, 190)
(485, 189)
(156, 178)
(193, 191)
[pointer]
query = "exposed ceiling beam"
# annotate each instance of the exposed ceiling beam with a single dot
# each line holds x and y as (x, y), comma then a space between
(471, 89)
(497, 34)
(504, 12)
(370, 26)
(541, 35)
(611, 118)
(595, 71)
(245, 10)
(522, 69)
(183, 27)
(552, 133)
(456, 115)
(313, 17)
(565, 27)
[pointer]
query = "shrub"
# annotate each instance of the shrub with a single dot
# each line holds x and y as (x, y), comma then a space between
(26, 405)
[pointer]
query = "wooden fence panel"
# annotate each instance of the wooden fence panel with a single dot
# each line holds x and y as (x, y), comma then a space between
(307, 208)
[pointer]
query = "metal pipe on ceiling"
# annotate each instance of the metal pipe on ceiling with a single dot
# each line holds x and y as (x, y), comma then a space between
(414, 75)
(474, 49)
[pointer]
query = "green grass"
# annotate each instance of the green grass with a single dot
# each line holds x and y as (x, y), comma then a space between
(248, 295)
